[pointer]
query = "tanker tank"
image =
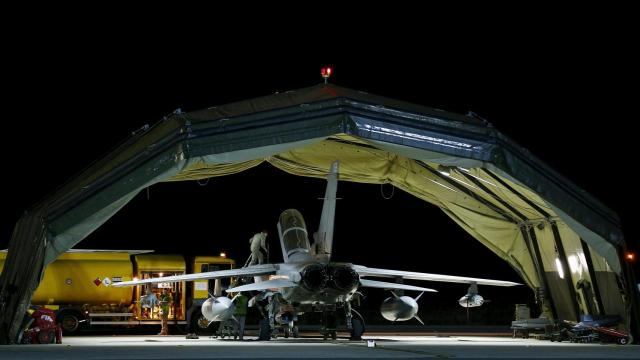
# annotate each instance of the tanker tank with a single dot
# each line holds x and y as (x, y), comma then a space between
(78, 278)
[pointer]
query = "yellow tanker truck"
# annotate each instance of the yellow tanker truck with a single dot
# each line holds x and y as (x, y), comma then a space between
(76, 286)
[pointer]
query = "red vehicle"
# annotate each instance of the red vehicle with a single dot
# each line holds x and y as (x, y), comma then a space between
(43, 328)
(592, 330)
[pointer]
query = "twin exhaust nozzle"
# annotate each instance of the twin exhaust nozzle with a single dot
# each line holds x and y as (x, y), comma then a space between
(318, 276)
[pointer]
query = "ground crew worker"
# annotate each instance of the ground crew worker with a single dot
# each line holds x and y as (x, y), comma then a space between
(258, 247)
(165, 305)
(241, 315)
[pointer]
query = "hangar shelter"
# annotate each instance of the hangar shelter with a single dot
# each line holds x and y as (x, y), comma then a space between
(567, 247)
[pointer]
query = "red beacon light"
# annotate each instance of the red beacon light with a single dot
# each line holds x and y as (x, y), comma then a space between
(326, 72)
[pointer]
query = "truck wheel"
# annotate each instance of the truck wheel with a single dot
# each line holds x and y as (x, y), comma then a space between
(69, 322)
(200, 325)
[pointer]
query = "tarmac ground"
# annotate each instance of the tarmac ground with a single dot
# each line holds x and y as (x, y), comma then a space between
(378, 345)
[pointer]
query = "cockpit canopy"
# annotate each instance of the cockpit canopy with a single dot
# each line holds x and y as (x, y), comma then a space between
(293, 233)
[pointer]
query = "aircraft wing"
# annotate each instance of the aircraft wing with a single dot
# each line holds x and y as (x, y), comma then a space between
(264, 285)
(392, 286)
(373, 272)
(264, 269)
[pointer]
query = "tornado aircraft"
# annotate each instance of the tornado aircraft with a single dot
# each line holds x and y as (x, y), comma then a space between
(308, 281)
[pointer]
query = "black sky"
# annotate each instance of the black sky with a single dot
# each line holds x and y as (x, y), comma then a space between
(564, 89)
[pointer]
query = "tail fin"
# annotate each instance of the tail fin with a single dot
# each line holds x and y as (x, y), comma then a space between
(324, 238)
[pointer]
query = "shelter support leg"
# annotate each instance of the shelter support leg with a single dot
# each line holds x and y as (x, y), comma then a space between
(632, 302)
(532, 245)
(592, 275)
(562, 256)
(22, 273)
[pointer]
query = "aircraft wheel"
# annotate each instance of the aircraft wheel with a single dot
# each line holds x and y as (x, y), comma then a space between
(295, 332)
(286, 333)
(334, 335)
(357, 327)
(265, 330)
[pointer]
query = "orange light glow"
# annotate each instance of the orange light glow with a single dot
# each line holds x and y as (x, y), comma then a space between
(630, 256)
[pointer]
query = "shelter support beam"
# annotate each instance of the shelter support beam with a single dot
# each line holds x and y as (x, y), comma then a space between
(592, 275)
(562, 255)
(16, 284)
(632, 302)
(529, 238)
(532, 237)
(556, 235)
(469, 193)
(531, 241)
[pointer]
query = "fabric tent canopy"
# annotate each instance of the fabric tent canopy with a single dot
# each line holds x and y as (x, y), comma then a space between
(552, 233)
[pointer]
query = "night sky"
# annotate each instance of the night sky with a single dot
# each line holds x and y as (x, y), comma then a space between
(568, 96)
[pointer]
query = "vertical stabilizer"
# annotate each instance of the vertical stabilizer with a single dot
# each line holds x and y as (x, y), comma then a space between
(324, 239)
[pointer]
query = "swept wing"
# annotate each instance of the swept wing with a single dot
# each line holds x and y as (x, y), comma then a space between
(373, 272)
(255, 270)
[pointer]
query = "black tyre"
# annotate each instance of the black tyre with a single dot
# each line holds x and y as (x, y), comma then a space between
(357, 326)
(334, 335)
(265, 330)
(295, 332)
(69, 322)
(46, 337)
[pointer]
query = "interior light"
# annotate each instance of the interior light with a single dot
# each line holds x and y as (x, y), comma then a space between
(574, 264)
(630, 256)
(223, 254)
(559, 268)
(161, 274)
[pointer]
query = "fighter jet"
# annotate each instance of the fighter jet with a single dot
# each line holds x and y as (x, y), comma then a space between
(308, 281)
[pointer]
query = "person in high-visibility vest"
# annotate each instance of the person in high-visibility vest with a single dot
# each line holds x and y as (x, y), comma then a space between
(165, 306)
(241, 315)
